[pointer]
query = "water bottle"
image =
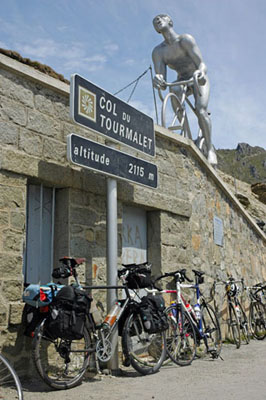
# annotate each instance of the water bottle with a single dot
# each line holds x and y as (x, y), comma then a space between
(197, 311)
(188, 307)
(173, 309)
(112, 315)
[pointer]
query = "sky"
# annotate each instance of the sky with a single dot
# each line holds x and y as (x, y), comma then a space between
(109, 42)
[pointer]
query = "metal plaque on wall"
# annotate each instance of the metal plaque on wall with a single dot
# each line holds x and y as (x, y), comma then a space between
(218, 231)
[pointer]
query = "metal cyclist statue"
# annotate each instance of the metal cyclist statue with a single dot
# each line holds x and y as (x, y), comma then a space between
(181, 53)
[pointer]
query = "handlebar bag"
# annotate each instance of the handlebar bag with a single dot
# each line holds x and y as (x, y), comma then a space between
(152, 313)
(139, 279)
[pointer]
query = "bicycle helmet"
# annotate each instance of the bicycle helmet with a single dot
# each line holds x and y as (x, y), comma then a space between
(231, 289)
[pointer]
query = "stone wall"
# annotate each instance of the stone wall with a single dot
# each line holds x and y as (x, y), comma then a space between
(34, 124)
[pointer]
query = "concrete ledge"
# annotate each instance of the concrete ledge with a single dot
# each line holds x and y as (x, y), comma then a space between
(33, 74)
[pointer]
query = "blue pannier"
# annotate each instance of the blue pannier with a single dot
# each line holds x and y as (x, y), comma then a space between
(40, 295)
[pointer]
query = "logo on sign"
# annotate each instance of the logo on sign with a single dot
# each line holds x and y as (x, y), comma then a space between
(87, 104)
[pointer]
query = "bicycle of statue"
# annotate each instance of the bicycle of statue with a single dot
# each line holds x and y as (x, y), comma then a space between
(193, 330)
(180, 113)
(62, 363)
(237, 318)
(10, 386)
(257, 310)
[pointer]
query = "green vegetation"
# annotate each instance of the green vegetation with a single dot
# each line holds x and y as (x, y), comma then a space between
(245, 163)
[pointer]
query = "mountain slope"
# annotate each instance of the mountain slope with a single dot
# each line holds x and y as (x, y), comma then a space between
(245, 163)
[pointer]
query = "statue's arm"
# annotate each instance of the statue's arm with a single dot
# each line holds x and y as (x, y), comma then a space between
(189, 44)
(159, 68)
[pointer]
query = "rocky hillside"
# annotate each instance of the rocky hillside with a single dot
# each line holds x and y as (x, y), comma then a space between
(245, 163)
(244, 171)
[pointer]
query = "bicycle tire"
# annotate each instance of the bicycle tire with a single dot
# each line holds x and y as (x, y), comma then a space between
(61, 363)
(212, 331)
(234, 326)
(145, 351)
(257, 320)
(10, 386)
(180, 338)
(244, 325)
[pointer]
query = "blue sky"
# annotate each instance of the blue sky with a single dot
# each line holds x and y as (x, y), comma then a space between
(109, 42)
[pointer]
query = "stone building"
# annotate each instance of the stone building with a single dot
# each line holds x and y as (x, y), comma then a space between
(50, 208)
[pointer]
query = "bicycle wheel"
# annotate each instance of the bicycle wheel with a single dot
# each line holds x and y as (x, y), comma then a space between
(257, 319)
(180, 337)
(145, 351)
(234, 326)
(211, 331)
(10, 386)
(61, 363)
(243, 322)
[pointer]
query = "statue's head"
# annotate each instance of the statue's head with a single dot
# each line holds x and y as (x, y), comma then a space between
(161, 21)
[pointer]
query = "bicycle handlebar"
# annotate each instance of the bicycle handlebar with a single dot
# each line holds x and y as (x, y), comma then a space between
(179, 275)
(194, 81)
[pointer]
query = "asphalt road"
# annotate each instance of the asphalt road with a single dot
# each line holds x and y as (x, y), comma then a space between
(241, 376)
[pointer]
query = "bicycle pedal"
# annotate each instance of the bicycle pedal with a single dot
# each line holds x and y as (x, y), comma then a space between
(215, 355)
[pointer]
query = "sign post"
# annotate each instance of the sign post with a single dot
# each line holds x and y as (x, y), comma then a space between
(112, 258)
(103, 113)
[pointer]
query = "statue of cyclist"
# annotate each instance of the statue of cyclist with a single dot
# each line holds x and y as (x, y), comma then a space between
(181, 53)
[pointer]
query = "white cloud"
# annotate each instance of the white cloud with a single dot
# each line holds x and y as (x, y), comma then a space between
(39, 48)
(111, 48)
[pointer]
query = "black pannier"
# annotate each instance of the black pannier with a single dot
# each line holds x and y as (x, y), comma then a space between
(31, 317)
(68, 314)
(152, 313)
(139, 279)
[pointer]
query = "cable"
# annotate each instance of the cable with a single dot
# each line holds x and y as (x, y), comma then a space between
(135, 81)
(154, 97)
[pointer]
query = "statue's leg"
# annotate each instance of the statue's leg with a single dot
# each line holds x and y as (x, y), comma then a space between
(204, 120)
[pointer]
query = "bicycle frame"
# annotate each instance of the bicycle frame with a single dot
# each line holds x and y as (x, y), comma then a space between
(181, 306)
(180, 112)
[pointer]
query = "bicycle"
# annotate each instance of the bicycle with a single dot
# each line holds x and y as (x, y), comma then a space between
(261, 292)
(10, 386)
(237, 321)
(180, 113)
(257, 310)
(62, 363)
(201, 323)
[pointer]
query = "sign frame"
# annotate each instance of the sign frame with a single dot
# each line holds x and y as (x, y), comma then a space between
(140, 176)
(101, 112)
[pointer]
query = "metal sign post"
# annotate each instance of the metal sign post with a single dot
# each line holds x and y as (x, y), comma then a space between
(112, 257)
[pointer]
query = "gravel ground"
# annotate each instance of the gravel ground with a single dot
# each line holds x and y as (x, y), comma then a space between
(241, 375)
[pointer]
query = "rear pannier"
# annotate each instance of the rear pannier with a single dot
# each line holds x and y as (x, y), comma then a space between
(68, 314)
(152, 313)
